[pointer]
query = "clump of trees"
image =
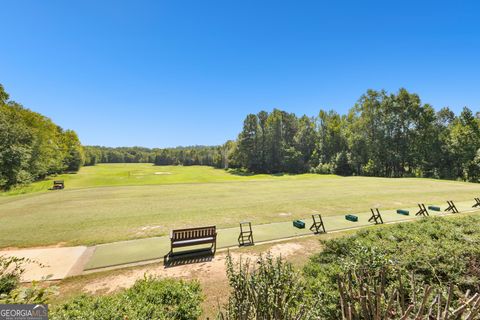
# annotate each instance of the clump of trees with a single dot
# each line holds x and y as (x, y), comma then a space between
(387, 135)
(32, 146)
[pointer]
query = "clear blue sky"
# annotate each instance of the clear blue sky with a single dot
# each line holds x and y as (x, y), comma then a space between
(167, 73)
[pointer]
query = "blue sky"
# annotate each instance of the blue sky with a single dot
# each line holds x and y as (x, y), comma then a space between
(168, 73)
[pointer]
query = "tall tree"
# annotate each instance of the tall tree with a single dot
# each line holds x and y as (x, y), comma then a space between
(248, 143)
(32, 146)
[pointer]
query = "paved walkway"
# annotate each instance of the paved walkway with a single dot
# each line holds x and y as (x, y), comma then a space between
(68, 261)
(49, 263)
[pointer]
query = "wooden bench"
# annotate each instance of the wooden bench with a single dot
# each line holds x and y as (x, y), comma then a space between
(58, 184)
(193, 236)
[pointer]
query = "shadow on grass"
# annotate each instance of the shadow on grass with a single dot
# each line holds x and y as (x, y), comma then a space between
(240, 172)
(246, 173)
(188, 257)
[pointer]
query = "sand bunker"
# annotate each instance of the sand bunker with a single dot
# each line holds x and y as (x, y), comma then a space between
(146, 228)
(285, 214)
(162, 173)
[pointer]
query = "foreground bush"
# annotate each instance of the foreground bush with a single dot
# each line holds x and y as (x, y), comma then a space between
(364, 297)
(149, 298)
(269, 290)
(11, 270)
(436, 252)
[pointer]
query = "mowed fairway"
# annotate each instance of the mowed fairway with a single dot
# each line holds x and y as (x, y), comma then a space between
(126, 201)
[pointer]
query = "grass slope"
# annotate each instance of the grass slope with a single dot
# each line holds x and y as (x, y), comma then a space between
(135, 174)
(139, 203)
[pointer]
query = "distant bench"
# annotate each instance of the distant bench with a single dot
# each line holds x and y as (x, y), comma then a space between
(58, 184)
(193, 236)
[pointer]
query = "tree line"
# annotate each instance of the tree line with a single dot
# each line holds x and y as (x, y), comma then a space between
(99, 154)
(384, 135)
(32, 146)
(186, 156)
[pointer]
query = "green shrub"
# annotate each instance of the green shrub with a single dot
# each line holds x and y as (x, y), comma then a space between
(322, 168)
(35, 293)
(436, 251)
(148, 298)
(11, 269)
(269, 290)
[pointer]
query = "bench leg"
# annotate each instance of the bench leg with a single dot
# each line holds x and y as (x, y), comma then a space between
(214, 247)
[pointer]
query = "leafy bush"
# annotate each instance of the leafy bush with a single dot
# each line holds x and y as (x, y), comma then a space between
(148, 298)
(11, 270)
(437, 252)
(35, 293)
(267, 290)
(322, 168)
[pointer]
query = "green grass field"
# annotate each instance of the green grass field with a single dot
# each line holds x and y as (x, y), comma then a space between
(107, 203)
(134, 174)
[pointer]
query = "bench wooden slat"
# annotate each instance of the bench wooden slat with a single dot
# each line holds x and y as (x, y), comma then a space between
(193, 236)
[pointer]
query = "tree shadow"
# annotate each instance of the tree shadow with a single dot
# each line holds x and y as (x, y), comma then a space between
(280, 174)
(240, 172)
(246, 173)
